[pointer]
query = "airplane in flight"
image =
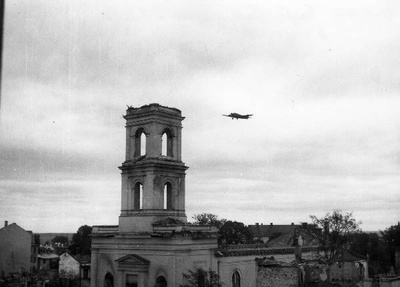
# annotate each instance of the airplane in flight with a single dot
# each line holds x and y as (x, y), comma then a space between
(238, 116)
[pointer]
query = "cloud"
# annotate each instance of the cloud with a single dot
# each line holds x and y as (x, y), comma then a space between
(60, 206)
(320, 79)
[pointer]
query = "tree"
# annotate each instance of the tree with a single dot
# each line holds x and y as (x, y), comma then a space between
(81, 241)
(201, 278)
(370, 245)
(68, 278)
(36, 239)
(233, 232)
(208, 219)
(334, 231)
(391, 237)
(60, 243)
(60, 239)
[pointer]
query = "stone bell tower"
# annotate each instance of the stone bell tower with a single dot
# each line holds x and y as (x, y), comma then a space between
(153, 175)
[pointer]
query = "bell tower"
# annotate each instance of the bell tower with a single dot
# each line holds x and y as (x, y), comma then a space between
(153, 175)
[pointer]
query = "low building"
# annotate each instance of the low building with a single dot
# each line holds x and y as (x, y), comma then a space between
(274, 273)
(344, 269)
(75, 268)
(18, 251)
(347, 268)
(48, 262)
(68, 266)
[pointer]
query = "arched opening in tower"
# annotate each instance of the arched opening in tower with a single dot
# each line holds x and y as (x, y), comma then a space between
(166, 146)
(168, 196)
(138, 196)
(140, 142)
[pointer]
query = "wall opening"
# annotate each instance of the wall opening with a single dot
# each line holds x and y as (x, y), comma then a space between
(168, 196)
(138, 196)
(201, 280)
(161, 281)
(109, 280)
(131, 280)
(166, 145)
(140, 142)
(235, 279)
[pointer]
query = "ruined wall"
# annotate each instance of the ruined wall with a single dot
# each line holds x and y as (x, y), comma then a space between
(277, 277)
(245, 266)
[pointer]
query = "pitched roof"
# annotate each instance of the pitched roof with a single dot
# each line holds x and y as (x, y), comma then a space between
(346, 256)
(272, 262)
(272, 229)
(287, 239)
(14, 226)
(283, 240)
(48, 256)
(83, 259)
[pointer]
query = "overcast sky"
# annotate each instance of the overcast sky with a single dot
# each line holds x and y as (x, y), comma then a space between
(322, 79)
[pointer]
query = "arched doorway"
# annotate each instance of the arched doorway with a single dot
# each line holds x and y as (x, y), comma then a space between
(161, 281)
(109, 280)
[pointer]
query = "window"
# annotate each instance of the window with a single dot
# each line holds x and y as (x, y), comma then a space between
(85, 273)
(138, 196)
(131, 280)
(167, 196)
(236, 279)
(166, 146)
(140, 142)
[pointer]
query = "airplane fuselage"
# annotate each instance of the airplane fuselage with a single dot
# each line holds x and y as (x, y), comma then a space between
(238, 116)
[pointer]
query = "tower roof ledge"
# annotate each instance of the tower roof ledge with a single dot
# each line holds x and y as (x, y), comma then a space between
(152, 109)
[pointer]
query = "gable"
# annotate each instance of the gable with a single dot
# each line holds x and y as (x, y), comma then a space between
(346, 256)
(13, 232)
(66, 257)
(133, 262)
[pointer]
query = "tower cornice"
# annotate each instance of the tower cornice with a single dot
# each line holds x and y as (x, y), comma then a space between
(153, 163)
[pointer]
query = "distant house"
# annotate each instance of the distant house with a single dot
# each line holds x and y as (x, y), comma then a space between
(75, 268)
(48, 261)
(18, 252)
(345, 269)
(278, 236)
(271, 231)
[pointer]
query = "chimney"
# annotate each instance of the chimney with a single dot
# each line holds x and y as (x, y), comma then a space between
(5, 223)
(257, 224)
(292, 223)
(271, 223)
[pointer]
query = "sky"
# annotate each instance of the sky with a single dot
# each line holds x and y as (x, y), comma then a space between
(322, 79)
